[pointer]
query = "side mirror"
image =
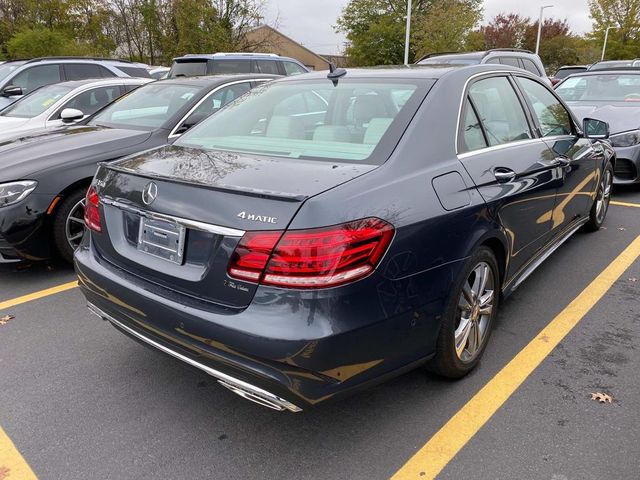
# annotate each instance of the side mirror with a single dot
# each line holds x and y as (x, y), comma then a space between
(11, 91)
(595, 129)
(70, 115)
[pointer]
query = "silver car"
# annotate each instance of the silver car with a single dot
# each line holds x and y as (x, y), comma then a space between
(61, 104)
(614, 97)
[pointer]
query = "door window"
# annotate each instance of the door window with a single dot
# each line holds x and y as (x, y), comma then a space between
(80, 71)
(36, 77)
(500, 111)
(552, 117)
(472, 136)
(510, 61)
(293, 68)
(229, 66)
(215, 102)
(530, 66)
(91, 101)
(267, 66)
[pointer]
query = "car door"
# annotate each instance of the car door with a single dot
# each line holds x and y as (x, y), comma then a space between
(575, 157)
(88, 102)
(510, 166)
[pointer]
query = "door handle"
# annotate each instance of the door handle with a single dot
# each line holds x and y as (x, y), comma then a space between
(504, 175)
(561, 162)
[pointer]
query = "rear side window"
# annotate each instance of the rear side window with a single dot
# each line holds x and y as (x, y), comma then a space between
(217, 100)
(230, 66)
(471, 136)
(188, 68)
(292, 68)
(552, 117)
(530, 66)
(267, 66)
(500, 111)
(80, 71)
(137, 72)
(36, 77)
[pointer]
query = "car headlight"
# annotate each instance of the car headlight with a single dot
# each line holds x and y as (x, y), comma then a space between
(13, 192)
(626, 139)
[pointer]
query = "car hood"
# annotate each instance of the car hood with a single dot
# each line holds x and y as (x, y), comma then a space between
(621, 117)
(23, 156)
(242, 172)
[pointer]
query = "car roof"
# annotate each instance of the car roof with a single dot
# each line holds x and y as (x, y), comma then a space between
(566, 67)
(207, 80)
(111, 61)
(232, 56)
(409, 72)
(102, 81)
(609, 71)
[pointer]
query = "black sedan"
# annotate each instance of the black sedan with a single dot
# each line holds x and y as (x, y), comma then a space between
(323, 234)
(44, 176)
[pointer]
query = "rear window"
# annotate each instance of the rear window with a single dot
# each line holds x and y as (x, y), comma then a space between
(230, 66)
(450, 60)
(565, 72)
(355, 121)
(188, 68)
(138, 72)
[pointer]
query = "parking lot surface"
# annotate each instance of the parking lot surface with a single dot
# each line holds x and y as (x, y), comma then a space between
(79, 400)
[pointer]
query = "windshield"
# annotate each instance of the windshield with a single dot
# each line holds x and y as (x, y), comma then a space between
(36, 102)
(7, 68)
(450, 60)
(314, 120)
(147, 107)
(565, 72)
(188, 68)
(600, 88)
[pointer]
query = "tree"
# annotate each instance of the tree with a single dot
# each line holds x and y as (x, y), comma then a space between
(506, 31)
(40, 42)
(623, 14)
(375, 29)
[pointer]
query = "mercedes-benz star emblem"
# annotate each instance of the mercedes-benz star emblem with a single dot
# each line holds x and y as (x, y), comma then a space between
(149, 193)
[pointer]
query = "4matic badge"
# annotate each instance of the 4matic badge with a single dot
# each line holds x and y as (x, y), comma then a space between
(257, 218)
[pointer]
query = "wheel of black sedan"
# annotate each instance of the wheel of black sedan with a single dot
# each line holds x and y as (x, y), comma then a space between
(466, 325)
(68, 224)
(600, 206)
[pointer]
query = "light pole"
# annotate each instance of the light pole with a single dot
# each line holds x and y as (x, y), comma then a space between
(606, 37)
(540, 27)
(408, 34)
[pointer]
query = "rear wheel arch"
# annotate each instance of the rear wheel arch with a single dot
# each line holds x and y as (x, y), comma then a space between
(499, 249)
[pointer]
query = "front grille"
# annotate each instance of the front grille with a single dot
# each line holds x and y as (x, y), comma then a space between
(625, 169)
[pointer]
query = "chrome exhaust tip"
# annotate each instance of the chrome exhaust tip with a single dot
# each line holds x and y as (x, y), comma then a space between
(237, 386)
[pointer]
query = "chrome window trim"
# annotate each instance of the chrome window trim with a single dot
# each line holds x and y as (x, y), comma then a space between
(185, 222)
(498, 73)
(173, 133)
(502, 146)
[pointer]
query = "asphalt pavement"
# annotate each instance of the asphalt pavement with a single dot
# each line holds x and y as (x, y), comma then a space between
(79, 400)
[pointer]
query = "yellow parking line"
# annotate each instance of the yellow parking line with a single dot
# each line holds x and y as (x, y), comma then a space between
(429, 461)
(35, 296)
(625, 204)
(12, 464)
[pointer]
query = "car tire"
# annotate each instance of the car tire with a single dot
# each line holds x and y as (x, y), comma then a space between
(465, 329)
(68, 224)
(600, 206)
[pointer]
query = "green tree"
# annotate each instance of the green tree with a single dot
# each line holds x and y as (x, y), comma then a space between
(40, 42)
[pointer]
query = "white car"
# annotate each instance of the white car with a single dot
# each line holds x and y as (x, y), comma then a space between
(62, 104)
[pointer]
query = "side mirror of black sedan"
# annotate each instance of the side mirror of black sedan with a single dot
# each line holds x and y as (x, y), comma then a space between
(595, 129)
(11, 91)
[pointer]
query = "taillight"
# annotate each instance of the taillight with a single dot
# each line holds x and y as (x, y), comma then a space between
(315, 258)
(92, 210)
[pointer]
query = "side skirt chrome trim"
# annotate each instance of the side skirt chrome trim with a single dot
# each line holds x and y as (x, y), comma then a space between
(529, 269)
(239, 387)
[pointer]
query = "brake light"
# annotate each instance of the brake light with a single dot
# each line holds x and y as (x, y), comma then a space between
(314, 258)
(92, 210)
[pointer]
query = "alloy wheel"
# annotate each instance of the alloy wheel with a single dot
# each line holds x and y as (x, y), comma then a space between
(475, 307)
(74, 226)
(604, 195)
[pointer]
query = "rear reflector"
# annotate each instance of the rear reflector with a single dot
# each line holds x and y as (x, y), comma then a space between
(92, 211)
(315, 258)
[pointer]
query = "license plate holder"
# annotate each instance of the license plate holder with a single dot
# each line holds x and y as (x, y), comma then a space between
(162, 239)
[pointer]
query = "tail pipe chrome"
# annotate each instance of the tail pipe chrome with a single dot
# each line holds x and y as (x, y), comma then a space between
(237, 386)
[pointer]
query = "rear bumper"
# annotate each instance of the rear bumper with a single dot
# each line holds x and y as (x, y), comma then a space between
(283, 351)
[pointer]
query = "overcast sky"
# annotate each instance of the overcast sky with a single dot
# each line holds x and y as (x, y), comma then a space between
(311, 22)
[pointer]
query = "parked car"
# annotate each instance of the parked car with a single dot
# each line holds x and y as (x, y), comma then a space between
(60, 104)
(515, 57)
(44, 176)
(225, 63)
(19, 77)
(159, 73)
(613, 96)
(565, 71)
(297, 257)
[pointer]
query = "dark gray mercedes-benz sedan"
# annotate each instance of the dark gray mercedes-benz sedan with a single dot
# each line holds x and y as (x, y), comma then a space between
(323, 233)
